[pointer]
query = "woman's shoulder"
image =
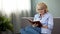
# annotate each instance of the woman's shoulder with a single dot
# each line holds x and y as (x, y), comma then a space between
(49, 14)
(36, 15)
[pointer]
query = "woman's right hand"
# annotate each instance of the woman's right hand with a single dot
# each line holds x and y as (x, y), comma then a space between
(45, 26)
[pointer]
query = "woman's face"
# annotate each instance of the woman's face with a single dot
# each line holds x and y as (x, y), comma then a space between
(40, 9)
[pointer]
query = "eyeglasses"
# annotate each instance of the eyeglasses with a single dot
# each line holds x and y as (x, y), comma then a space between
(41, 9)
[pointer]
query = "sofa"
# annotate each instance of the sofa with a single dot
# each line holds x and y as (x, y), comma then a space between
(56, 29)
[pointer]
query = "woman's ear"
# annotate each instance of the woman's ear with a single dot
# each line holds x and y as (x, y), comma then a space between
(44, 11)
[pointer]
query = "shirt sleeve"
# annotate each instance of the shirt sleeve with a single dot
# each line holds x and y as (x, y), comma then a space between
(34, 18)
(50, 22)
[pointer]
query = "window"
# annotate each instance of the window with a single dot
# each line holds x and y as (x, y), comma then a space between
(8, 6)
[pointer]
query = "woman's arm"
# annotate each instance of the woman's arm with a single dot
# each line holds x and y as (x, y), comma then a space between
(36, 18)
(50, 22)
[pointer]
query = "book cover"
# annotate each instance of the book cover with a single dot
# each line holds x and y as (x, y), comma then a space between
(35, 22)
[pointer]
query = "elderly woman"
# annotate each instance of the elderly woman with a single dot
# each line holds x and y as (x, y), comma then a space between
(44, 17)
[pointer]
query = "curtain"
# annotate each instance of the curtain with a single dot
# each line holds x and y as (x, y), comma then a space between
(16, 9)
(16, 6)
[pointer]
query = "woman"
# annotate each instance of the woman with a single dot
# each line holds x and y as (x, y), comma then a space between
(44, 17)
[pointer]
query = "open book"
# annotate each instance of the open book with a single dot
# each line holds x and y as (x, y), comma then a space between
(37, 22)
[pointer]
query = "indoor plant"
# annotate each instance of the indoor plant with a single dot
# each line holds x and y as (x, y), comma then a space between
(5, 24)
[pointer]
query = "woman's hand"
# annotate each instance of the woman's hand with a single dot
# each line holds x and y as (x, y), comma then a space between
(35, 25)
(45, 26)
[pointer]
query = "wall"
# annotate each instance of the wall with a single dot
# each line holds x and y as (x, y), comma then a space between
(54, 9)
(53, 6)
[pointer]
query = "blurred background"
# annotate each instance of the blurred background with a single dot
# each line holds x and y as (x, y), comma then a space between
(16, 9)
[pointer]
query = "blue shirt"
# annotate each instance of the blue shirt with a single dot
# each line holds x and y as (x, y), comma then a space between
(46, 19)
